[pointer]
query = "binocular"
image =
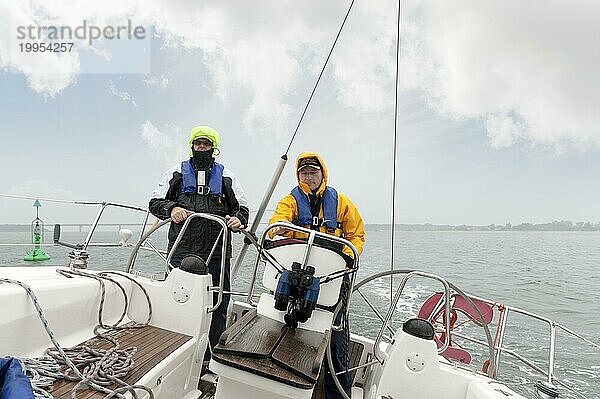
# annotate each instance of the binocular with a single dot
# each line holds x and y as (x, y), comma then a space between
(297, 293)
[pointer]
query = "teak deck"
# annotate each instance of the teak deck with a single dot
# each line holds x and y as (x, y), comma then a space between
(355, 350)
(266, 347)
(153, 345)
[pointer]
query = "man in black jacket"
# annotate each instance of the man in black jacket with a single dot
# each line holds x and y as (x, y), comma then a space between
(199, 184)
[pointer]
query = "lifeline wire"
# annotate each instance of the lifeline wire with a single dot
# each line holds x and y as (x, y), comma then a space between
(50, 199)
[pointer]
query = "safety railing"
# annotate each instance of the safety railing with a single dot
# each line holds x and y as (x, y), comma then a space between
(377, 353)
(142, 242)
(553, 328)
(496, 348)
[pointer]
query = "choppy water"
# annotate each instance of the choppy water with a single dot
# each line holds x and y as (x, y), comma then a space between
(554, 274)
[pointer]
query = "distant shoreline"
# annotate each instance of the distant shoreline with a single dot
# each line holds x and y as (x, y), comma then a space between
(554, 226)
(564, 225)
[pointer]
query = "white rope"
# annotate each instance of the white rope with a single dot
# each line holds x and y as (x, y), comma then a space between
(100, 367)
(42, 372)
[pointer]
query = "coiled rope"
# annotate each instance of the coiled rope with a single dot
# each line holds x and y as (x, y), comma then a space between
(101, 368)
(42, 372)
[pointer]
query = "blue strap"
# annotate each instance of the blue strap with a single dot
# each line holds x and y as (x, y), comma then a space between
(215, 180)
(304, 215)
(330, 202)
(329, 205)
(189, 176)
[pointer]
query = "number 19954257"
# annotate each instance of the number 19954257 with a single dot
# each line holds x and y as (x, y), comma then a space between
(46, 47)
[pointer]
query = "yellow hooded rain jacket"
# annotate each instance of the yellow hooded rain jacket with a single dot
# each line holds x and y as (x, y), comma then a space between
(352, 228)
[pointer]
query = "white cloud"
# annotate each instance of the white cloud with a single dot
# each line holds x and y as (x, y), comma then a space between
(246, 57)
(528, 69)
(244, 67)
(47, 73)
(154, 137)
(165, 147)
(260, 59)
(160, 82)
(503, 130)
(123, 95)
(364, 62)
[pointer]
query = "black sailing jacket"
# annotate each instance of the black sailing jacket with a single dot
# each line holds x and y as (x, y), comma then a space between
(201, 233)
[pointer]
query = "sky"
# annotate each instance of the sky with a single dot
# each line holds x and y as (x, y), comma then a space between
(498, 118)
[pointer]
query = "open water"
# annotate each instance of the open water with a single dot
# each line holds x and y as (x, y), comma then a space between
(554, 274)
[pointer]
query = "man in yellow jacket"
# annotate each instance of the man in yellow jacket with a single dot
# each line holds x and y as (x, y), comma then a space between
(313, 204)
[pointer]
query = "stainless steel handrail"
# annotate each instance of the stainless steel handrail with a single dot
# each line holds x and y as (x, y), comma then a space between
(376, 350)
(103, 206)
(143, 230)
(143, 239)
(144, 235)
(308, 232)
(553, 326)
(219, 220)
(491, 371)
(498, 348)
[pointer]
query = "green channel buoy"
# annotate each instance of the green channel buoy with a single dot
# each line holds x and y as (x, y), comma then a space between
(37, 237)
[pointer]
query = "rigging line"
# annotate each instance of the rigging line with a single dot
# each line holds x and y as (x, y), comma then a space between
(319, 78)
(261, 251)
(284, 157)
(394, 150)
(50, 199)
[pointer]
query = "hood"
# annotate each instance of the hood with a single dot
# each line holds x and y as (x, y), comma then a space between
(207, 132)
(303, 186)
